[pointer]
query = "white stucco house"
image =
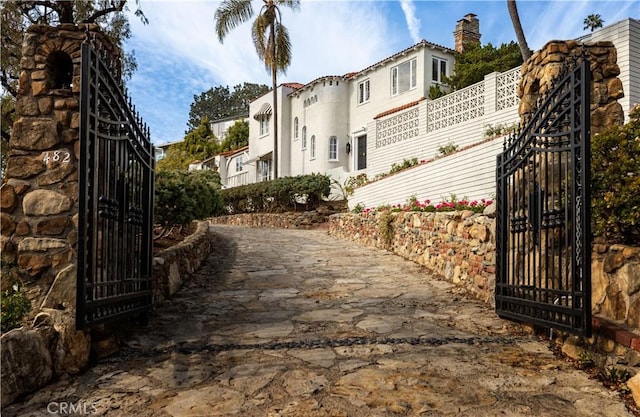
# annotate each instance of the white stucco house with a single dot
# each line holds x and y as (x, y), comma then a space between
(365, 121)
(325, 125)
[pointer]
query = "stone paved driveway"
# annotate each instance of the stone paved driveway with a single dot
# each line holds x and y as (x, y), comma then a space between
(297, 323)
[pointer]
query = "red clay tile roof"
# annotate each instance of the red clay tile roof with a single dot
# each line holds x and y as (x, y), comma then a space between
(397, 109)
(317, 80)
(295, 86)
(422, 44)
(233, 152)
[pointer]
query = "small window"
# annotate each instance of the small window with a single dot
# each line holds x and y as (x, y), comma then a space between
(438, 69)
(404, 77)
(313, 147)
(295, 129)
(363, 92)
(304, 137)
(264, 125)
(333, 148)
(238, 164)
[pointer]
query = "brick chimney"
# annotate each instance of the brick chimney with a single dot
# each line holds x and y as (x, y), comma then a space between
(467, 31)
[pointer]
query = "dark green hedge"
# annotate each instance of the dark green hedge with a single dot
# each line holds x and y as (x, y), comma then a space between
(303, 192)
(615, 182)
(184, 196)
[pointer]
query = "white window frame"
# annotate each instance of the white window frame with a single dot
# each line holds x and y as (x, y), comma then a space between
(304, 138)
(364, 91)
(239, 164)
(264, 125)
(264, 170)
(436, 76)
(412, 81)
(333, 148)
(295, 129)
(312, 144)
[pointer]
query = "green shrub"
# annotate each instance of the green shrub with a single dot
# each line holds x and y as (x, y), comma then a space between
(436, 92)
(447, 149)
(15, 304)
(615, 182)
(406, 163)
(303, 192)
(499, 129)
(358, 208)
(184, 196)
(352, 183)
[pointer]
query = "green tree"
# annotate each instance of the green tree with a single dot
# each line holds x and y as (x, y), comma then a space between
(517, 27)
(199, 144)
(175, 159)
(17, 16)
(220, 102)
(593, 22)
(270, 38)
(477, 61)
(237, 136)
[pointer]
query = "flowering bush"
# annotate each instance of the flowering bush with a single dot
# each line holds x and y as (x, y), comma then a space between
(476, 206)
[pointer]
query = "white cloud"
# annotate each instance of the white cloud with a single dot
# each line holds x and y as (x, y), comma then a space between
(180, 56)
(413, 23)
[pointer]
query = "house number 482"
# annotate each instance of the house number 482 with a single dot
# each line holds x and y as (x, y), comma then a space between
(63, 157)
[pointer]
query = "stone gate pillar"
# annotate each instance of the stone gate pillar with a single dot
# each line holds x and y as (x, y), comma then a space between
(39, 203)
(606, 88)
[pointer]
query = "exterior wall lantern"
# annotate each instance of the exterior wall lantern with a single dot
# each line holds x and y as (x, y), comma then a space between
(348, 148)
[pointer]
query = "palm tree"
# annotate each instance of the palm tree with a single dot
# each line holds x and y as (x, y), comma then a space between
(270, 38)
(517, 26)
(593, 22)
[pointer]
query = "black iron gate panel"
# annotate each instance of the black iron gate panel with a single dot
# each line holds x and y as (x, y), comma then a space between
(115, 199)
(543, 234)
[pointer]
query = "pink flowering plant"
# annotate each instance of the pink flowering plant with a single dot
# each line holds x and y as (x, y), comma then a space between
(413, 204)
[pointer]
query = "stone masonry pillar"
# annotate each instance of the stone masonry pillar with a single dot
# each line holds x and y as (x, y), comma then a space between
(39, 203)
(606, 88)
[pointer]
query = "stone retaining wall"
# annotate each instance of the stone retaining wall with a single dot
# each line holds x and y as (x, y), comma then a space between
(460, 247)
(172, 265)
(289, 220)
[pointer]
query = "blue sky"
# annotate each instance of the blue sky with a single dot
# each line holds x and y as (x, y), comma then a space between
(179, 55)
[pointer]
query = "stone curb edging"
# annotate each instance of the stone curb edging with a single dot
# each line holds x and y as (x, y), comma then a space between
(172, 265)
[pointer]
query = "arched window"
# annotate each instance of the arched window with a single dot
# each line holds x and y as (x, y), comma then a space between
(295, 129)
(313, 147)
(304, 137)
(333, 148)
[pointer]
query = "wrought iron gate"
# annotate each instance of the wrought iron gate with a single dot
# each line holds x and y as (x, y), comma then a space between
(115, 199)
(543, 235)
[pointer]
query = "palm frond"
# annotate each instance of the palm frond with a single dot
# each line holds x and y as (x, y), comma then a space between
(260, 35)
(292, 4)
(230, 14)
(283, 47)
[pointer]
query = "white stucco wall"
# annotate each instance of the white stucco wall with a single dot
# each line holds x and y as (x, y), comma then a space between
(322, 108)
